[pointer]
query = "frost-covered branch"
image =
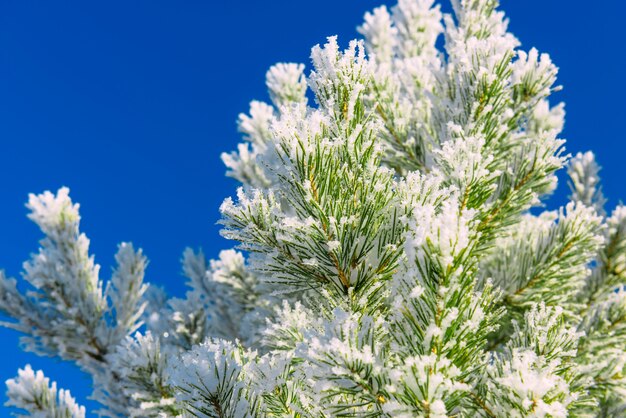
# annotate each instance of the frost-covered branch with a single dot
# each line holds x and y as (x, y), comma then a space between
(32, 392)
(66, 312)
(585, 182)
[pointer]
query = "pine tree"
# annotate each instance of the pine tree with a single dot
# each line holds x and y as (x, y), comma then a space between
(392, 256)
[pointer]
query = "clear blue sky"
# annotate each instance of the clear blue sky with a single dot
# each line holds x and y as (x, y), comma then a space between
(129, 103)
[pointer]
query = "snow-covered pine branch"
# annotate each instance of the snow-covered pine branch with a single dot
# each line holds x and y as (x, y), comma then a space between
(32, 393)
(389, 263)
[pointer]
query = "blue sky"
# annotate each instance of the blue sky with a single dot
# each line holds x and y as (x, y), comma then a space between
(130, 103)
